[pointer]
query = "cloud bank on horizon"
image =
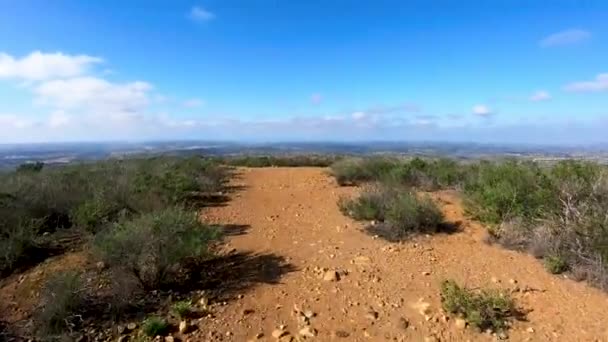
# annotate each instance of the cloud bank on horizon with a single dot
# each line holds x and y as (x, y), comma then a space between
(240, 77)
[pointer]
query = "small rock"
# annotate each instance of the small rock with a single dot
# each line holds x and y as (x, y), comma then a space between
(512, 281)
(460, 323)
(372, 315)
(309, 314)
(204, 302)
(248, 312)
(502, 336)
(431, 339)
(131, 326)
(422, 307)
(183, 326)
(331, 276)
(530, 330)
(426, 273)
(120, 329)
(495, 280)
(228, 333)
(404, 323)
(122, 338)
(100, 265)
(308, 332)
(240, 296)
(169, 339)
(259, 335)
(278, 333)
(341, 333)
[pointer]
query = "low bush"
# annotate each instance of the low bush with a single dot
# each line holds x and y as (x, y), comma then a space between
(354, 171)
(401, 213)
(182, 309)
(62, 299)
(303, 160)
(155, 326)
(89, 197)
(149, 246)
(485, 309)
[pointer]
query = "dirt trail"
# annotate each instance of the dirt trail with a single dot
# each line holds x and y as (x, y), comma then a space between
(292, 213)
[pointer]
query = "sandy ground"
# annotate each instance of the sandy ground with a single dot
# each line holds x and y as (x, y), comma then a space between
(289, 216)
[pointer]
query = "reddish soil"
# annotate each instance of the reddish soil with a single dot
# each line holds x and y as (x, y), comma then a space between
(293, 213)
(286, 230)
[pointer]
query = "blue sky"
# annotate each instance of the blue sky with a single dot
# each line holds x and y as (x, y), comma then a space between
(263, 70)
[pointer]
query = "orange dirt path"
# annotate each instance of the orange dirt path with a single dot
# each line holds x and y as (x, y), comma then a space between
(292, 213)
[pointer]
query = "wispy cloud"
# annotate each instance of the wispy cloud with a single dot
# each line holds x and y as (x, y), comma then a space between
(193, 103)
(199, 13)
(599, 84)
(316, 98)
(482, 110)
(567, 37)
(540, 95)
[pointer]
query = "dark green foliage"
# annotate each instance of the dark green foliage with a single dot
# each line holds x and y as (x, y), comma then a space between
(62, 299)
(485, 309)
(182, 309)
(155, 326)
(149, 246)
(555, 264)
(370, 205)
(356, 171)
(30, 167)
(280, 161)
(401, 213)
(496, 192)
(89, 197)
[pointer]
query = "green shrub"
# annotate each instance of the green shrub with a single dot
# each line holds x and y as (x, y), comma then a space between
(485, 309)
(182, 308)
(401, 212)
(370, 205)
(155, 326)
(16, 242)
(555, 264)
(407, 214)
(63, 298)
(496, 192)
(355, 171)
(149, 245)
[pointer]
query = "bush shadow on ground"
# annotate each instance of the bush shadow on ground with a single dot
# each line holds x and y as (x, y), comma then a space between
(387, 232)
(229, 275)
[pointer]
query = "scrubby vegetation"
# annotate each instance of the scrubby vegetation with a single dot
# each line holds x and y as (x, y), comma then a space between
(136, 217)
(149, 245)
(483, 309)
(88, 198)
(62, 299)
(399, 213)
(295, 160)
(555, 211)
(155, 326)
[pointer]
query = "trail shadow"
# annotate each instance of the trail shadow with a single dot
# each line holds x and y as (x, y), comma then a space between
(235, 273)
(391, 233)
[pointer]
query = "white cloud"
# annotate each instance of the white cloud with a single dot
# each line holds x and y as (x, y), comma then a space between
(59, 119)
(93, 94)
(358, 116)
(193, 103)
(482, 110)
(599, 84)
(38, 66)
(540, 95)
(201, 14)
(12, 121)
(316, 98)
(567, 37)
